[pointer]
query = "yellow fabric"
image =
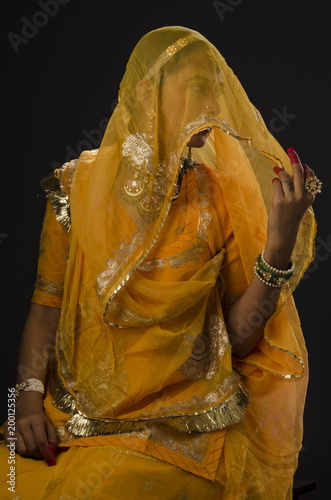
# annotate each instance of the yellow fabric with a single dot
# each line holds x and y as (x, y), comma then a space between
(193, 245)
(198, 453)
(91, 472)
(145, 280)
(176, 83)
(156, 318)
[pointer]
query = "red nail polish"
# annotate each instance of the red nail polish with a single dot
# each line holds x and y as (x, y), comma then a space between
(306, 166)
(277, 170)
(293, 155)
(50, 459)
(275, 179)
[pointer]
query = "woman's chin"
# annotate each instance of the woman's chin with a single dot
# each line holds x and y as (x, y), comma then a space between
(199, 140)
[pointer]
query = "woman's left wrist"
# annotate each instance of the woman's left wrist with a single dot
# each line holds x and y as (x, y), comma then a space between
(278, 255)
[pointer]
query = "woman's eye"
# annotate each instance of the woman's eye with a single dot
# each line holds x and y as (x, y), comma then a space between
(200, 88)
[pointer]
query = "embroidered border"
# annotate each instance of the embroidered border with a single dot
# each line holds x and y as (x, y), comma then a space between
(228, 412)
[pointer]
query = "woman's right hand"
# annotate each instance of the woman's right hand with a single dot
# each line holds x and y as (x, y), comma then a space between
(34, 432)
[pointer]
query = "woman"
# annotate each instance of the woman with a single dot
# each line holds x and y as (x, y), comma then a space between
(179, 368)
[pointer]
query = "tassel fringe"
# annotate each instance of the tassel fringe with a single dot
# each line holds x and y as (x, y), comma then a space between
(57, 196)
(229, 412)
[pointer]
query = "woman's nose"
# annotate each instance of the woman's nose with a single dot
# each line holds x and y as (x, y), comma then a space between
(212, 105)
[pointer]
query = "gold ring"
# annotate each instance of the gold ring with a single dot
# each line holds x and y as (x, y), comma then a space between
(313, 185)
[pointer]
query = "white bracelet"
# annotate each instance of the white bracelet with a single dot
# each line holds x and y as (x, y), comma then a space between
(30, 384)
(278, 271)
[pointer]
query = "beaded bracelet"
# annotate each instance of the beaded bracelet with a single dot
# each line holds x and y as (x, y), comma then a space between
(30, 384)
(287, 272)
(270, 275)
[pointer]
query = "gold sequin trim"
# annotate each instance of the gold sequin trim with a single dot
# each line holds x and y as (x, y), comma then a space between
(290, 354)
(168, 53)
(208, 350)
(230, 411)
(191, 254)
(60, 201)
(49, 286)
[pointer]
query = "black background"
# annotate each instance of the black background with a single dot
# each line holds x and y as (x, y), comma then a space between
(61, 85)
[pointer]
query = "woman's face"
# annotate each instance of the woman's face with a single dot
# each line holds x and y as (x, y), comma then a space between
(187, 94)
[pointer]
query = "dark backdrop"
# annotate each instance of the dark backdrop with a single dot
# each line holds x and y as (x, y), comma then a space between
(63, 61)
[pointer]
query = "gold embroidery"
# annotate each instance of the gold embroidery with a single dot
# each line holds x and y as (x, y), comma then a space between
(60, 202)
(227, 413)
(169, 52)
(148, 185)
(57, 190)
(139, 161)
(114, 265)
(205, 221)
(193, 447)
(127, 277)
(67, 175)
(49, 286)
(230, 411)
(208, 350)
(192, 254)
(132, 319)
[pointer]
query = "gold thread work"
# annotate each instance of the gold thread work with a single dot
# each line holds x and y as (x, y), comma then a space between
(60, 202)
(228, 412)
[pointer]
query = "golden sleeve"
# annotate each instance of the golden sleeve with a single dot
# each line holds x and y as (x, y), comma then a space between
(54, 248)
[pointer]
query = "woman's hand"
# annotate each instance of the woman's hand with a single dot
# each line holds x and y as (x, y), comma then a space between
(34, 432)
(289, 204)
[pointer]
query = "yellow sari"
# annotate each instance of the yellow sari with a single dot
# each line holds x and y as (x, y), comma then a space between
(142, 385)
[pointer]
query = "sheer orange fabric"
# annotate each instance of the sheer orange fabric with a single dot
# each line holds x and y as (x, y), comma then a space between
(142, 352)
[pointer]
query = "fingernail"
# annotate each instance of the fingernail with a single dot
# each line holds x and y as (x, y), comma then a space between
(48, 453)
(293, 155)
(277, 170)
(275, 179)
(306, 166)
(50, 459)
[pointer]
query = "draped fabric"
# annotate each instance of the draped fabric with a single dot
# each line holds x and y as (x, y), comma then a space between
(143, 274)
(175, 326)
(176, 83)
